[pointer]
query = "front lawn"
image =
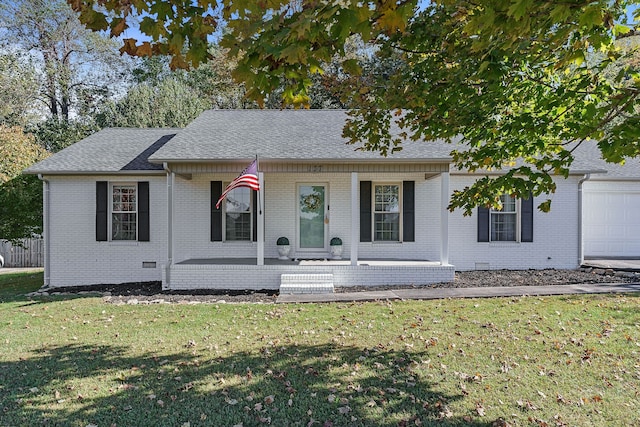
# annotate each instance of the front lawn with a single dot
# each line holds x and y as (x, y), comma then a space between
(527, 361)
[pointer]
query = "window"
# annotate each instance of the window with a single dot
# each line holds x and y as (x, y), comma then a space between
(386, 213)
(512, 223)
(237, 207)
(124, 212)
(504, 222)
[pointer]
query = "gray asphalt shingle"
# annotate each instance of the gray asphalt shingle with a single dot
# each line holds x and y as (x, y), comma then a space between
(589, 158)
(280, 135)
(110, 150)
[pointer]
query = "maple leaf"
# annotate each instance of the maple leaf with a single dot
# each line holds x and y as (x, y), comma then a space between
(118, 25)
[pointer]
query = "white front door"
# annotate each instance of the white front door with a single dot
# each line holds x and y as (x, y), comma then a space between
(312, 217)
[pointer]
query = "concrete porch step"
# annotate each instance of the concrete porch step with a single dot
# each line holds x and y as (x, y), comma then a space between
(309, 283)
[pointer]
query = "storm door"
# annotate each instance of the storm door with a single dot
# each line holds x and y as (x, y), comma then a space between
(313, 217)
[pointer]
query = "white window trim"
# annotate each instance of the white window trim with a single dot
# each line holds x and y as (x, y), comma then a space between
(518, 215)
(111, 212)
(373, 213)
(224, 219)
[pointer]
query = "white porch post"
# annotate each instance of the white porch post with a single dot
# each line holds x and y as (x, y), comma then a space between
(444, 218)
(260, 237)
(355, 238)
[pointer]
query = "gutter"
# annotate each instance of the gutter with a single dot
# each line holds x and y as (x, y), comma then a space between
(587, 177)
(46, 230)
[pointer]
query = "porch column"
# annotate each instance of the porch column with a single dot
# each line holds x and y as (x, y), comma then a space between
(444, 218)
(260, 237)
(355, 211)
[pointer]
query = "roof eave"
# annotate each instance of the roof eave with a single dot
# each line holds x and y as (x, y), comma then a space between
(315, 160)
(76, 172)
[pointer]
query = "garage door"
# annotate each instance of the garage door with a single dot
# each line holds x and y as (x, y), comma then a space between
(611, 219)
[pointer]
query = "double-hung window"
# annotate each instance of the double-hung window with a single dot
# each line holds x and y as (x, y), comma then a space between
(513, 222)
(504, 221)
(238, 220)
(386, 213)
(124, 212)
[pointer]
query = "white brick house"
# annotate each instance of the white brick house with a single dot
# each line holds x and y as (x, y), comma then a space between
(129, 205)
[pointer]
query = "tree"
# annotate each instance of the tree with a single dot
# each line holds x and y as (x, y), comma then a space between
(214, 81)
(77, 66)
(511, 81)
(55, 134)
(169, 103)
(20, 195)
(18, 90)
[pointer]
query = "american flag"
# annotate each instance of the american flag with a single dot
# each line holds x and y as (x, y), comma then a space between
(247, 178)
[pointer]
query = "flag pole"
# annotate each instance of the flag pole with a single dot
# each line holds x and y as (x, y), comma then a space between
(258, 170)
(260, 236)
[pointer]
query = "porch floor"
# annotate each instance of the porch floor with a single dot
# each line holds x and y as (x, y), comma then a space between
(315, 262)
(244, 273)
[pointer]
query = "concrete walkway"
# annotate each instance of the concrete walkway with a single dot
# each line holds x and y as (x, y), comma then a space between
(486, 292)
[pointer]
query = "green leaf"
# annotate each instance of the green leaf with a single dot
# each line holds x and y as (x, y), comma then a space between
(163, 9)
(152, 28)
(352, 66)
(619, 29)
(519, 8)
(592, 16)
(93, 20)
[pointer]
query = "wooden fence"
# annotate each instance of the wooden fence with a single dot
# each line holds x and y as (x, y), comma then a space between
(31, 255)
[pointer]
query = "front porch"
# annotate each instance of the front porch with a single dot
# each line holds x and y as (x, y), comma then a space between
(244, 273)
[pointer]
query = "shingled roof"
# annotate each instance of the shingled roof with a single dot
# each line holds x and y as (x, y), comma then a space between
(219, 135)
(588, 157)
(108, 151)
(276, 135)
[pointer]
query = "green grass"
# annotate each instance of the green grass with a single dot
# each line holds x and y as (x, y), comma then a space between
(482, 362)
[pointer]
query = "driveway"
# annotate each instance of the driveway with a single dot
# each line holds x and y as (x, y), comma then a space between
(615, 264)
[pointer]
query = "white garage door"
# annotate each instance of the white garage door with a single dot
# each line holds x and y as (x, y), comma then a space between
(611, 219)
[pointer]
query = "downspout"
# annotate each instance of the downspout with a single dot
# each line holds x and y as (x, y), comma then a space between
(46, 230)
(170, 175)
(580, 215)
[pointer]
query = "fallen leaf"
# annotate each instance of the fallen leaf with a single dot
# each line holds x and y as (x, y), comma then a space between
(446, 413)
(344, 409)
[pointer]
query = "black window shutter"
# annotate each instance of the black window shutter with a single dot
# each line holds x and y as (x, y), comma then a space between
(254, 196)
(526, 219)
(216, 214)
(408, 211)
(365, 211)
(102, 211)
(143, 211)
(483, 224)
